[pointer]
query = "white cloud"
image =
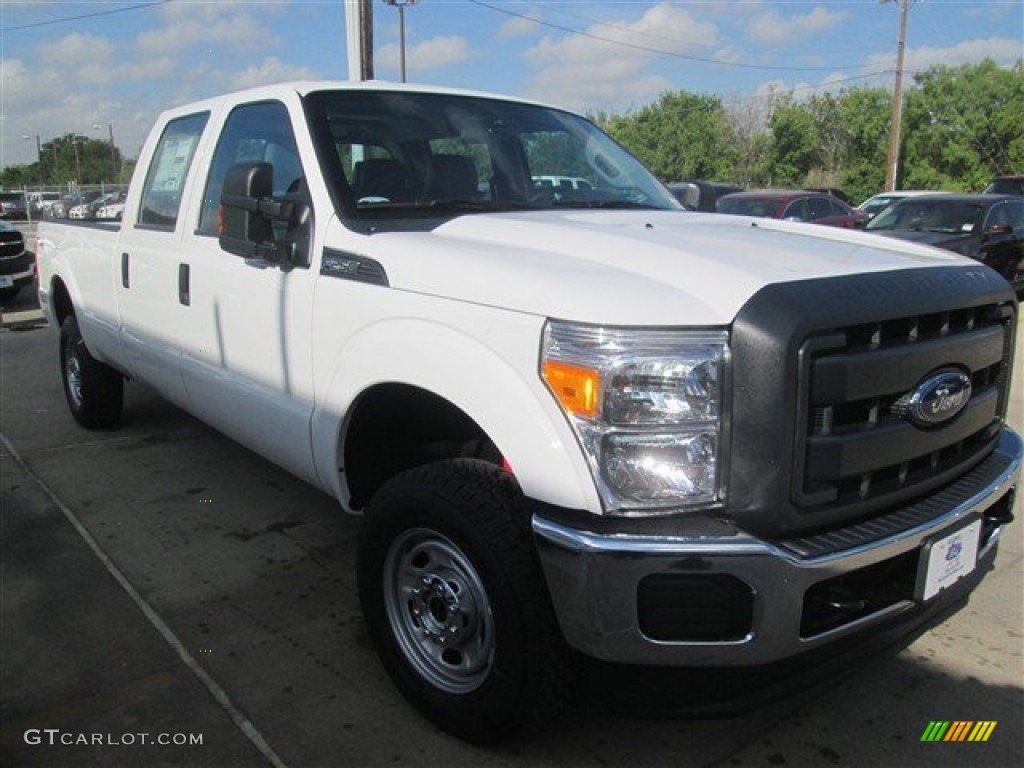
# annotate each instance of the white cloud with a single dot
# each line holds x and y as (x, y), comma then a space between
(76, 50)
(584, 73)
(270, 70)
(519, 27)
(206, 35)
(430, 54)
(1002, 50)
(771, 28)
(78, 80)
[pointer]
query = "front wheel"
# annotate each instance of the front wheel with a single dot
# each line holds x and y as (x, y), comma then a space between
(94, 391)
(456, 602)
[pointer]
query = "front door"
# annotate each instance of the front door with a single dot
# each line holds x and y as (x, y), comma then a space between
(247, 366)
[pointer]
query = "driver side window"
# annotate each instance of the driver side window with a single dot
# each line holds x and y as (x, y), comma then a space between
(257, 133)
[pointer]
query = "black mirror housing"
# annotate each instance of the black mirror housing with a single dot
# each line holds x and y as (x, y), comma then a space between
(245, 228)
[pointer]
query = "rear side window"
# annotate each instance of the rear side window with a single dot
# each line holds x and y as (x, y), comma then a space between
(165, 179)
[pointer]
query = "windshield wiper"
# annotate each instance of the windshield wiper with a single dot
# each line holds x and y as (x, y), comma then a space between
(447, 206)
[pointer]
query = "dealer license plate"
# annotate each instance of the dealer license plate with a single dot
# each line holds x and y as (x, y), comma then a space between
(946, 560)
(6, 281)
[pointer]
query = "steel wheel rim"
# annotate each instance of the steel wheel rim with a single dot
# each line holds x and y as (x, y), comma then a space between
(73, 374)
(439, 611)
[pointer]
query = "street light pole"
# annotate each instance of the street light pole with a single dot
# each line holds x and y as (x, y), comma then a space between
(893, 157)
(400, 4)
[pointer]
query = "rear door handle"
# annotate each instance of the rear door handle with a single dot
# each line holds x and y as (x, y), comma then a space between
(184, 294)
(125, 279)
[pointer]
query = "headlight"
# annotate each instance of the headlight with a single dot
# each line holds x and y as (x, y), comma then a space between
(648, 409)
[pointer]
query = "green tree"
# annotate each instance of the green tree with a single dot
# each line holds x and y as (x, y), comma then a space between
(865, 115)
(66, 159)
(795, 145)
(963, 126)
(682, 135)
(750, 141)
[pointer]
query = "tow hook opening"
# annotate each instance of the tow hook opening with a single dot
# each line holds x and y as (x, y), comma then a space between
(997, 515)
(834, 602)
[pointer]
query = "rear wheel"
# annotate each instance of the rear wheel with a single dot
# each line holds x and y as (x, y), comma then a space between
(94, 391)
(456, 602)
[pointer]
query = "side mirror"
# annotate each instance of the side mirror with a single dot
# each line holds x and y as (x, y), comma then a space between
(244, 229)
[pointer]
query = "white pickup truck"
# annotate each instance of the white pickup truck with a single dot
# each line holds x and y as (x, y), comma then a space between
(575, 418)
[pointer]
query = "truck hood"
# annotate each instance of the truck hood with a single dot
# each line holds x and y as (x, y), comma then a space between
(628, 267)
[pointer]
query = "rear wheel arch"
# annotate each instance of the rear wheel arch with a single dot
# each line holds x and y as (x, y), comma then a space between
(60, 300)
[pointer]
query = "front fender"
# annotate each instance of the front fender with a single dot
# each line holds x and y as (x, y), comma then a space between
(492, 377)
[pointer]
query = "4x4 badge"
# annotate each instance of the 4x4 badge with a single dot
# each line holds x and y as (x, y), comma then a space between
(935, 400)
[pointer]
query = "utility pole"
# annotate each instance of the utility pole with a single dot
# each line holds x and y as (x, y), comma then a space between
(359, 37)
(892, 160)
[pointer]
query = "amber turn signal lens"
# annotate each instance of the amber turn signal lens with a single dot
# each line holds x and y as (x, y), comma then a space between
(576, 388)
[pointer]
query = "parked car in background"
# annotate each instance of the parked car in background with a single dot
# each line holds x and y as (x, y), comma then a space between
(17, 266)
(989, 228)
(701, 195)
(13, 206)
(112, 208)
(86, 206)
(1006, 185)
(875, 204)
(41, 203)
(793, 205)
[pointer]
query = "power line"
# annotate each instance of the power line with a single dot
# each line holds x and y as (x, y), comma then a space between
(94, 14)
(658, 51)
(619, 27)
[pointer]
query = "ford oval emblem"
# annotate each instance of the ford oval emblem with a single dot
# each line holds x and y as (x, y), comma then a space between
(935, 400)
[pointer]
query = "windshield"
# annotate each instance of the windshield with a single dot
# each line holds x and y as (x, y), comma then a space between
(390, 152)
(748, 206)
(948, 216)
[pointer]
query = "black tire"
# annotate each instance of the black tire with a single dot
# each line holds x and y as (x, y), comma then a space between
(456, 603)
(94, 391)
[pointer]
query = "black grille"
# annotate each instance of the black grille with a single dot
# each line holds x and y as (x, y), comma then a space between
(11, 244)
(855, 447)
(816, 440)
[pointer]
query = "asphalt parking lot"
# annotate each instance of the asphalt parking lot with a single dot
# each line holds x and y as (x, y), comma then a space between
(161, 583)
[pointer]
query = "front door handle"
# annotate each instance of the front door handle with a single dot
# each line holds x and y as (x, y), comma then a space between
(184, 294)
(125, 280)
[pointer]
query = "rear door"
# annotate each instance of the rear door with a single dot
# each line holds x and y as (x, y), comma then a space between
(149, 287)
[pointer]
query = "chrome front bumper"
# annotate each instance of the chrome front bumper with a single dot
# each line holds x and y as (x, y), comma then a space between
(594, 578)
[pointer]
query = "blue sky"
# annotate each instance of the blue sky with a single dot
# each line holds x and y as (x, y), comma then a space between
(70, 66)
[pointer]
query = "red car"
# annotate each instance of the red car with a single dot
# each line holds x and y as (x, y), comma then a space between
(793, 205)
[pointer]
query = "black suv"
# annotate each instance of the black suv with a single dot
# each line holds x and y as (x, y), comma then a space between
(17, 266)
(1006, 185)
(13, 206)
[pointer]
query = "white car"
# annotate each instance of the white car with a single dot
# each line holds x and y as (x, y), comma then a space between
(875, 204)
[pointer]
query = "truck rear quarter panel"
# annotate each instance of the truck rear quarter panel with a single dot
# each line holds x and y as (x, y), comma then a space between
(82, 257)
